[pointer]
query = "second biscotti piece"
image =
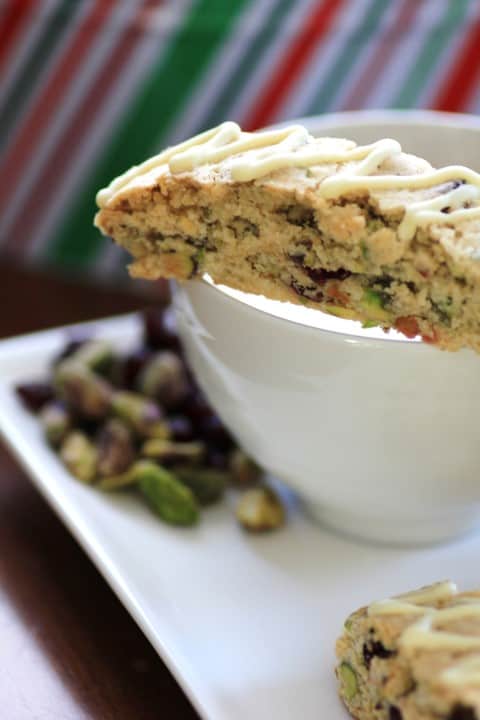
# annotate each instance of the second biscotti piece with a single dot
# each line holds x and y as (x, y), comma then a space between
(413, 657)
(364, 232)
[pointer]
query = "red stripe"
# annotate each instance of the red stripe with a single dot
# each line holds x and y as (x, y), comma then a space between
(381, 57)
(463, 78)
(269, 99)
(64, 153)
(13, 20)
(37, 120)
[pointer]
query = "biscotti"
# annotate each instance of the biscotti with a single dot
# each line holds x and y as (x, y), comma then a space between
(413, 657)
(363, 232)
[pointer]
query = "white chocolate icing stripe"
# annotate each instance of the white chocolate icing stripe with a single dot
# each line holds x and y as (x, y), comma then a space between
(432, 593)
(420, 213)
(251, 156)
(424, 634)
(417, 637)
(395, 607)
(215, 150)
(464, 672)
(370, 158)
(339, 185)
(427, 633)
(117, 185)
(417, 601)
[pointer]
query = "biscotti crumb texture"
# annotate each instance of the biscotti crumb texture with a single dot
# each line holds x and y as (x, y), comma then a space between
(413, 657)
(361, 232)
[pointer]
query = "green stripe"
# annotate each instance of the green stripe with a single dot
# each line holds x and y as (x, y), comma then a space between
(21, 90)
(249, 62)
(150, 114)
(435, 44)
(347, 54)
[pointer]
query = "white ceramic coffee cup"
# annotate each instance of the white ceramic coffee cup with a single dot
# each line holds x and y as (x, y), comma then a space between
(379, 435)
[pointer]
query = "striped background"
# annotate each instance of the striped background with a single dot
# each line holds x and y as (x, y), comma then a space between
(89, 87)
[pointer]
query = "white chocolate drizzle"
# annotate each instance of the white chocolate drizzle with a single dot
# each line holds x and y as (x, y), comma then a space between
(417, 601)
(428, 633)
(251, 156)
(464, 672)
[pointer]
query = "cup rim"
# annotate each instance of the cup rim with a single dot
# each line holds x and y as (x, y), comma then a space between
(366, 118)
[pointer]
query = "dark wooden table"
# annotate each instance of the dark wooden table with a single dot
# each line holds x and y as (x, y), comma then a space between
(68, 649)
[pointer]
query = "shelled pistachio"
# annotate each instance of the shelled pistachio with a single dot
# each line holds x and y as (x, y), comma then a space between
(348, 679)
(141, 414)
(173, 452)
(169, 498)
(116, 451)
(97, 355)
(207, 484)
(85, 392)
(260, 510)
(164, 379)
(80, 456)
(244, 470)
(56, 421)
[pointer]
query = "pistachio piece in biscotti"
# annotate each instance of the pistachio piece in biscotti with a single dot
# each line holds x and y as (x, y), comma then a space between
(348, 680)
(373, 303)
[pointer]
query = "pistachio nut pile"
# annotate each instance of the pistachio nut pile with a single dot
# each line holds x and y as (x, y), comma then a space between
(139, 421)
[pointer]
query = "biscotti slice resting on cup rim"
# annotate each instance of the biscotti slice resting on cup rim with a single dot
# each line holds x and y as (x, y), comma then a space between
(413, 657)
(362, 232)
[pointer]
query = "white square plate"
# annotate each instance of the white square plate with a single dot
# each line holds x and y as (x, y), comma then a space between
(246, 624)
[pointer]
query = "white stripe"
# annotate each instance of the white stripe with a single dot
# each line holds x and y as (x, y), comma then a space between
(147, 52)
(220, 70)
(365, 56)
(405, 55)
(324, 57)
(45, 149)
(36, 23)
(270, 58)
(447, 58)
